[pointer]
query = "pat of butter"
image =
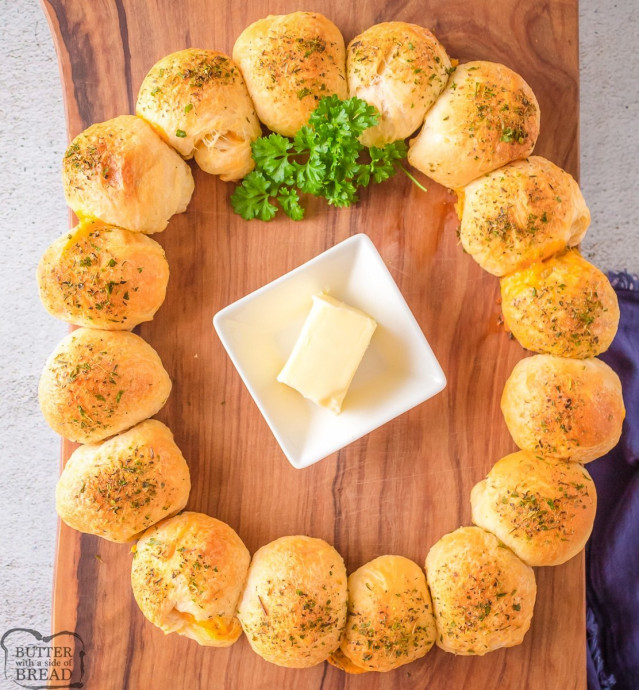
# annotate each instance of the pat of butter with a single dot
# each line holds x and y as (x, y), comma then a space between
(328, 351)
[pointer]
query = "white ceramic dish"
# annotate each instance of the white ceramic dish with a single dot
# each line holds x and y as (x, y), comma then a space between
(399, 369)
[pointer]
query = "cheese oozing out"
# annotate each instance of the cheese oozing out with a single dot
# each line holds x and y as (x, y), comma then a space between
(328, 351)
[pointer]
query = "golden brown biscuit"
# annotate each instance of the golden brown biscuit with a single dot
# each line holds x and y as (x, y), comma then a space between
(100, 276)
(98, 383)
(541, 508)
(563, 306)
(289, 63)
(483, 595)
(197, 101)
(293, 608)
(121, 487)
(486, 117)
(390, 616)
(122, 173)
(521, 213)
(567, 408)
(187, 576)
(401, 69)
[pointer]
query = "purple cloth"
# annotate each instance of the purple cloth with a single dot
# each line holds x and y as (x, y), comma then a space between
(612, 553)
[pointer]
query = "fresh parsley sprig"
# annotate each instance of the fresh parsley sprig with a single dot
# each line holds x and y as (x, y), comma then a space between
(322, 159)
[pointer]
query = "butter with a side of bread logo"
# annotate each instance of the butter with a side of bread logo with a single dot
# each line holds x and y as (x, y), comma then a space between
(39, 662)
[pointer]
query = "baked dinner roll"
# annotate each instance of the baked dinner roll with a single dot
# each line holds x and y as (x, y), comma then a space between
(98, 383)
(122, 173)
(399, 68)
(197, 101)
(187, 575)
(541, 508)
(293, 608)
(290, 62)
(119, 488)
(486, 117)
(521, 213)
(563, 306)
(100, 276)
(390, 615)
(567, 408)
(483, 595)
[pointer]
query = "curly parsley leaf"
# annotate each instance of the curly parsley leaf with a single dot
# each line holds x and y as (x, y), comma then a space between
(322, 159)
(251, 198)
(340, 193)
(271, 157)
(310, 176)
(383, 163)
(290, 202)
(306, 139)
(351, 117)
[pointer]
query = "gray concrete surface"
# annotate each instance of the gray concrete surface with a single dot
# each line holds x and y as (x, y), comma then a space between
(609, 71)
(33, 213)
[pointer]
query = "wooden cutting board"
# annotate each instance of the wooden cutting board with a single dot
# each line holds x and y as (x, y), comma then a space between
(398, 489)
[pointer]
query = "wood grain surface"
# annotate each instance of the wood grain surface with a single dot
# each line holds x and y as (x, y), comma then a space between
(398, 489)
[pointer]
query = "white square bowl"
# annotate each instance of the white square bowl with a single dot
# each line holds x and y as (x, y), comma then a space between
(398, 371)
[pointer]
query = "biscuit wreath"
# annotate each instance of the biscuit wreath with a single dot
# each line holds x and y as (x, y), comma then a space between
(478, 119)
